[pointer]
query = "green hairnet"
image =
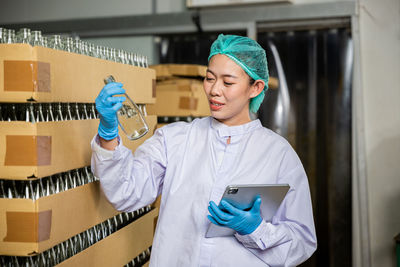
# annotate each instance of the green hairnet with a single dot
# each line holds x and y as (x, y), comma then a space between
(249, 55)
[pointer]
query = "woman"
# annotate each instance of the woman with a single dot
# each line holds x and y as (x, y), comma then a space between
(190, 164)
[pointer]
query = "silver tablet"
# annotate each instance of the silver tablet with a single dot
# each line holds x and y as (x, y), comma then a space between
(242, 196)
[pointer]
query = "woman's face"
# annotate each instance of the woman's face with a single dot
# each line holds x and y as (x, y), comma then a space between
(228, 89)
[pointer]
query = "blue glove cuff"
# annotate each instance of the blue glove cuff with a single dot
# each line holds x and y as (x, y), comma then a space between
(250, 229)
(107, 134)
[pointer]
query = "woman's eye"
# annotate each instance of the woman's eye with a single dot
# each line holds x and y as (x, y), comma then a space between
(209, 79)
(227, 84)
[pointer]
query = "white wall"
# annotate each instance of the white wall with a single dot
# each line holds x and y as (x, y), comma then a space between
(379, 23)
(19, 11)
(168, 6)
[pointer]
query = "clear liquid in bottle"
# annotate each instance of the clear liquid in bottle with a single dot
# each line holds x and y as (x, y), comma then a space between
(130, 118)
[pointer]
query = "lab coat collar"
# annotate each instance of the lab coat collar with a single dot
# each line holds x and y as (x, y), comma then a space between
(225, 130)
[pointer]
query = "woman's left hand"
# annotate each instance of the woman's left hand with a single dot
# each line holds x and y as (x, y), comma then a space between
(242, 221)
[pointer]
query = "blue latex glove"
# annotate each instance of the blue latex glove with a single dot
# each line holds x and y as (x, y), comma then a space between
(107, 105)
(243, 222)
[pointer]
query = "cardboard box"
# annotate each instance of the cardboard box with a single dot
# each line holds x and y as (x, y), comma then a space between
(35, 150)
(168, 70)
(119, 248)
(159, 125)
(157, 202)
(49, 75)
(28, 227)
(180, 97)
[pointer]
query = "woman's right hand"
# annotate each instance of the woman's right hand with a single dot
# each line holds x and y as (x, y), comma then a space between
(107, 105)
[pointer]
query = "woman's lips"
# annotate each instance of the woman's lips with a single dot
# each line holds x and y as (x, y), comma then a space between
(215, 105)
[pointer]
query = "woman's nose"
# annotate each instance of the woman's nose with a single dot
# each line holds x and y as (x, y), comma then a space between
(216, 90)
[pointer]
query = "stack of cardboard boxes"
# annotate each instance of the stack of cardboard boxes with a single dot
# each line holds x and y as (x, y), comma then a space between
(52, 211)
(179, 92)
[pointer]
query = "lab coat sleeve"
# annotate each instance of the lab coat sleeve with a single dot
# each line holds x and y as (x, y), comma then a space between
(131, 181)
(290, 238)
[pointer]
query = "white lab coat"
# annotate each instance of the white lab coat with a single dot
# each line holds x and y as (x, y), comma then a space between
(190, 164)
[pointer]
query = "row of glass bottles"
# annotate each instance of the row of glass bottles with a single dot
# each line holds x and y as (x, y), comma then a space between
(46, 186)
(79, 242)
(141, 259)
(39, 112)
(69, 44)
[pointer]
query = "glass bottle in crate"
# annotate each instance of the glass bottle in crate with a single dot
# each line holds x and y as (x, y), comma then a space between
(113, 55)
(91, 50)
(45, 41)
(11, 39)
(77, 46)
(36, 38)
(3, 36)
(24, 36)
(130, 118)
(68, 44)
(56, 42)
(84, 48)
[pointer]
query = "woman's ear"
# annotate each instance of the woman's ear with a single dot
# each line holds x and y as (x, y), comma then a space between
(256, 88)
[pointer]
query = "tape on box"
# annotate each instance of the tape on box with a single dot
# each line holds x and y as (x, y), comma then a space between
(26, 76)
(188, 102)
(28, 226)
(28, 150)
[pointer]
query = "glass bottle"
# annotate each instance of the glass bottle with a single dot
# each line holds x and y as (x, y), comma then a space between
(131, 59)
(42, 191)
(56, 43)
(85, 48)
(98, 51)
(59, 115)
(140, 59)
(13, 113)
(39, 113)
(77, 46)
(24, 36)
(120, 56)
(91, 50)
(107, 53)
(31, 113)
(143, 61)
(3, 36)
(113, 55)
(51, 114)
(104, 54)
(36, 38)
(76, 111)
(45, 41)
(85, 113)
(130, 118)
(11, 36)
(68, 44)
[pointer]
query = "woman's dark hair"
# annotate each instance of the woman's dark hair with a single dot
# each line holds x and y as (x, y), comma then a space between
(252, 81)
